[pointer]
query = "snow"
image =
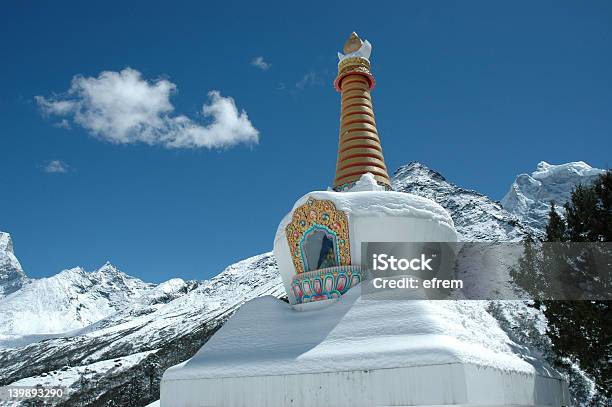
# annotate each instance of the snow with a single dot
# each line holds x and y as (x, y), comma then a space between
(366, 182)
(170, 289)
(545, 170)
(476, 217)
(375, 204)
(170, 286)
(530, 195)
(268, 337)
(485, 270)
(361, 352)
(144, 325)
(211, 300)
(68, 376)
(68, 301)
(374, 215)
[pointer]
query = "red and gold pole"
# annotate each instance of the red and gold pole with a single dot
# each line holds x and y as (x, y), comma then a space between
(359, 148)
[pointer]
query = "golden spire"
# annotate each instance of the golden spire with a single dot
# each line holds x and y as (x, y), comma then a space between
(359, 148)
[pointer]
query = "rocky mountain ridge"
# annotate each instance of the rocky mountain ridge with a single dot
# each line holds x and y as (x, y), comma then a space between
(476, 216)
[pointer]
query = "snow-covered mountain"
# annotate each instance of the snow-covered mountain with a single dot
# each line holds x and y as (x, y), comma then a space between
(529, 196)
(67, 301)
(162, 325)
(167, 324)
(12, 276)
(476, 216)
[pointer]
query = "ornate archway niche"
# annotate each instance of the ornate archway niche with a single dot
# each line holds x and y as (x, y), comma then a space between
(318, 216)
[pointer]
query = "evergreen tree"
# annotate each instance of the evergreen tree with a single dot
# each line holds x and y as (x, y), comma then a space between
(580, 331)
(150, 370)
(602, 222)
(84, 384)
(555, 229)
(528, 275)
(135, 393)
(582, 215)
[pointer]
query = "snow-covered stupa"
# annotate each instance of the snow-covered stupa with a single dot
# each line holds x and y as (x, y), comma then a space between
(318, 244)
(331, 347)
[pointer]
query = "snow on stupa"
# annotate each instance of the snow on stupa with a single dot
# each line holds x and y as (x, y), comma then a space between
(331, 347)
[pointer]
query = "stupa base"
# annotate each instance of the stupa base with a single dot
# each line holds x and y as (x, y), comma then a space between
(436, 385)
(356, 352)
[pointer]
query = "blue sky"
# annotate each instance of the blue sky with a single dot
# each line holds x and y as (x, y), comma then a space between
(479, 91)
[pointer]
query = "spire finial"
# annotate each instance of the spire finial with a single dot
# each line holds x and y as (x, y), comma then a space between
(353, 43)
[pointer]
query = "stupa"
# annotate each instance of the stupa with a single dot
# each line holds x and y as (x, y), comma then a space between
(318, 244)
(331, 347)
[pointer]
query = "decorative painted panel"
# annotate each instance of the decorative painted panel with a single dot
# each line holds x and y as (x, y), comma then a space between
(325, 284)
(318, 215)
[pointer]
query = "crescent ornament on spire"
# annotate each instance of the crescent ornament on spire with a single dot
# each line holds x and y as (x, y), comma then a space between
(355, 47)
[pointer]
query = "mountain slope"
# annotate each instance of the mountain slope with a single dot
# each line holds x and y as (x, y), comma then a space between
(476, 216)
(72, 299)
(530, 195)
(170, 327)
(12, 276)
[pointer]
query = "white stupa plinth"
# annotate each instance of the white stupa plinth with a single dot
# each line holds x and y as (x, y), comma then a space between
(331, 347)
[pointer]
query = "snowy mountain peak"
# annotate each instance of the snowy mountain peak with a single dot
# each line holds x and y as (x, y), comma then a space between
(67, 301)
(576, 168)
(416, 169)
(72, 272)
(476, 217)
(530, 195)
(12, 276)
(109, 271)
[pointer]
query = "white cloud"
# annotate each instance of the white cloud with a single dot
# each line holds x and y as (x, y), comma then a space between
(311, 78)
(56, 166)
(121, 107)
(260, 63)
(63, 124)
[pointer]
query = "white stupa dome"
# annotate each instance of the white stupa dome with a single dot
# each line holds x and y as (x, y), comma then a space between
(318, 244)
